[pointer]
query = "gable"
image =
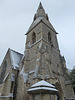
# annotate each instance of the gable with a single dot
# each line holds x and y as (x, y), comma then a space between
(15, 59)
(11, 60)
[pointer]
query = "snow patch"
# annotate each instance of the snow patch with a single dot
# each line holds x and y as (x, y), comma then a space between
(40, 45)
(37, 59)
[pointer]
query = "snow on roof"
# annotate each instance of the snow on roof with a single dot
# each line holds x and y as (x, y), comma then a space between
(15, 59)
(42, 83)
(42, 88)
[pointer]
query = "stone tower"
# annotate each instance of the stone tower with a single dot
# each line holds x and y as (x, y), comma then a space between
(42, 59)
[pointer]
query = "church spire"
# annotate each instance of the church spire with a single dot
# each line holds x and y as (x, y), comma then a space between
(40, 6)
(40, 12)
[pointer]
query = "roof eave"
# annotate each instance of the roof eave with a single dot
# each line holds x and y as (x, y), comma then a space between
(43, 23)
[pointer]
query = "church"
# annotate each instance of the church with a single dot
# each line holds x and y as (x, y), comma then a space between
(40, 73)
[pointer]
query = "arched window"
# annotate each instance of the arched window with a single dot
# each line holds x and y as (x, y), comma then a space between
(49, 37)
(33, 38)
(3, 72)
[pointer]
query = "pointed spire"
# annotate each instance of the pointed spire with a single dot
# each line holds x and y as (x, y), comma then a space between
(40, 6)
(40, 11)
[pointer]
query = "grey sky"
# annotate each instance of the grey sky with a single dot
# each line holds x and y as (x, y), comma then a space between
(17, 15)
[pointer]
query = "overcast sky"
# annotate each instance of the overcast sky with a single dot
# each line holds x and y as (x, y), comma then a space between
(17, 15)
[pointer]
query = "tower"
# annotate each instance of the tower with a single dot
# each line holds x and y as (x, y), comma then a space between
(42, 59)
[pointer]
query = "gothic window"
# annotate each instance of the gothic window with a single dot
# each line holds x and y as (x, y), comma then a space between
(33, 38)
(3, 72)
(49, 37)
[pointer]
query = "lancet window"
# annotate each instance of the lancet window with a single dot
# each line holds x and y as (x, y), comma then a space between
(33, 38)
(49, 37)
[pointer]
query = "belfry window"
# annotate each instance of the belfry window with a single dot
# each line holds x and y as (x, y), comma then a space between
(49, 37)
(33, 38)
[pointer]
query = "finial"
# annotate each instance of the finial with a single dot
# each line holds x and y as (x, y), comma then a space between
(40, 6)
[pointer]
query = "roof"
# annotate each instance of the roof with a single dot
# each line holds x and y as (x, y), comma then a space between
(43, 87)
(15, 59)
(42, 83)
